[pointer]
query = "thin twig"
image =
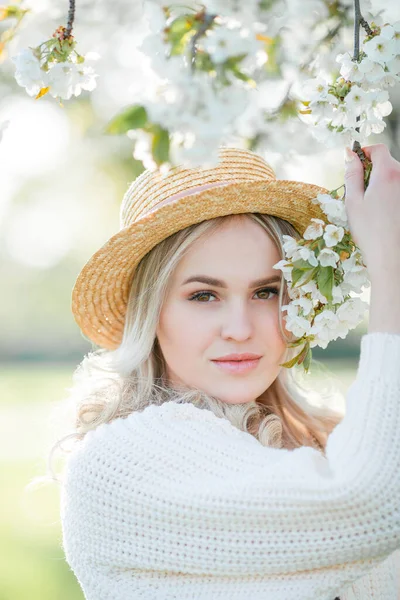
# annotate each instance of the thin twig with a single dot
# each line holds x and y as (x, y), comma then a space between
(366, 26)
(357, 22)
(208, 19)
(71, 17)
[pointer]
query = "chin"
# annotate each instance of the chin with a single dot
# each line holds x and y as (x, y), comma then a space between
(237, 398)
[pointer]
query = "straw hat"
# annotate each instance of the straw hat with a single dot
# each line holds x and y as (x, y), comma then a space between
(155, 206)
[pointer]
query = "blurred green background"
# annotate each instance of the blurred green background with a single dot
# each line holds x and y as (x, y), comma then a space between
(61, 184)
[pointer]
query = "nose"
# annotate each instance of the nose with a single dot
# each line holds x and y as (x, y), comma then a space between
(237, 321)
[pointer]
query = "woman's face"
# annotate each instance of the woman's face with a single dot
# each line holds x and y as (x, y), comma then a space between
(234, 315)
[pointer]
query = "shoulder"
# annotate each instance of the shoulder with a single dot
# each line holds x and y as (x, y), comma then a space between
(141, 441)
(153, 420)
(159, 420)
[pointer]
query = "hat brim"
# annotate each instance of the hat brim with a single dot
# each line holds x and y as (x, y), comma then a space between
(101, 291)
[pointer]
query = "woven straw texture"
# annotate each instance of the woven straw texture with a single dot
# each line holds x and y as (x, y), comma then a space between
(155, 206)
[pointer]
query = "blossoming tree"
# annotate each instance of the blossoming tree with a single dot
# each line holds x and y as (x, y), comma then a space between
(205, 73)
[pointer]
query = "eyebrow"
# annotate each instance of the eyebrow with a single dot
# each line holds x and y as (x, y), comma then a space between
(218, 283)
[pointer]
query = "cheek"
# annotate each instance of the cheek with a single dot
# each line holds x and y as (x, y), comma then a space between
(274, 334)
(179, 331)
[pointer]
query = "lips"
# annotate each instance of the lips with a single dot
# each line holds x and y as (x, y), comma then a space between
(237, 366)
(238, 357)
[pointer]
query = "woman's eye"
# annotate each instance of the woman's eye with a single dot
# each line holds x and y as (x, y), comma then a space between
(198, 295)
(273, 291)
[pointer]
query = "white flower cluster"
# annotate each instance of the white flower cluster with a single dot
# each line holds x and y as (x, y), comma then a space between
(254, 11)
(63, 79)
(226, 60)
(198, 106)
(311, 316)
(359, 91)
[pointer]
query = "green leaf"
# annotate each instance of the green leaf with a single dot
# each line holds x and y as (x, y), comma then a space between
(296, 343)
(295, 360)
(307, 360)
(180, 26)
(160, 146)
(304, 352)
(310, 276)
(325, 282)
(304, 265)
(134, 117)
(204, 62)
(179, 33)
(232, 61)
(240, 75)
(298, 274)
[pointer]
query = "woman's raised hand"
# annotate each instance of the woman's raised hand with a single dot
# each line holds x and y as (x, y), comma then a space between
(374, 215)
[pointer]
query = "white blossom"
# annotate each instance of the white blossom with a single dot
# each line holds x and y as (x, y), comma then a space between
(224, 42)
(316, 89)
(321, 199)
(333, 235)
(338, 294)
(357, 278)
(315, 230)
(28, 73)
(305, 304)
(328, 258)
(380, 106)
(325, 327)
(371, 125)
(352, 311)
(190, 105)
(68, 79)
(143, 150)
(289, 245)
(298, 325)
(372, 72)
(380, 48)
(233, 9)
(312, 289)
(63, 78)
(285, 268)
(355, 275)
(193, 151)
(357, 100)
(349, 69)
(305, 254)
(393, 67)
(334, 209)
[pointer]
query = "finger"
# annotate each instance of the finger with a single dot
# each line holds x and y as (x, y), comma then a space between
(377, 153)
(354, 178)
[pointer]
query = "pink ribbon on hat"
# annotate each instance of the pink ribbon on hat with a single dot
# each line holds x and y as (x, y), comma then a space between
(190, 192)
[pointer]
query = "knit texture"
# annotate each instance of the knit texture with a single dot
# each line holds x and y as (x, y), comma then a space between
(173, 503)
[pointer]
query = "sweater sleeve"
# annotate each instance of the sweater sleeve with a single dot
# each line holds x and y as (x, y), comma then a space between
(379, 583)
(176, 488)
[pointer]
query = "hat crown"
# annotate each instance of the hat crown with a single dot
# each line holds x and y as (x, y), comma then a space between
(152, 189)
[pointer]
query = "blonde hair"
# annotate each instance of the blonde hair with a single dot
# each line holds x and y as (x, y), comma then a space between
(111, 384)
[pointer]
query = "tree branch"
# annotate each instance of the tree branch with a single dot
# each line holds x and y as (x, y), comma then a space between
(71, 17)
(358, 20)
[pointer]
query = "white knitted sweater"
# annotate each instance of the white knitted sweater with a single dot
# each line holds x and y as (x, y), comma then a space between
(173, 503)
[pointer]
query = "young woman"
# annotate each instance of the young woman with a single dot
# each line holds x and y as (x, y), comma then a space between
(200, 470)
